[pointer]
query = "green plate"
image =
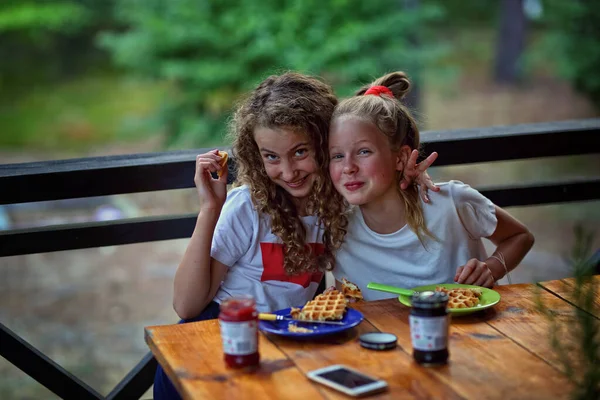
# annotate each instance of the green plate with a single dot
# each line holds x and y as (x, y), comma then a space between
(488, 299)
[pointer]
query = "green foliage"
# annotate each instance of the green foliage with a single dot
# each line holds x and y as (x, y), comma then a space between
(56, 17)
(577, 344)
(83, 113)
(479, 13)
(572, 43)
(43, 41)
(213, 51)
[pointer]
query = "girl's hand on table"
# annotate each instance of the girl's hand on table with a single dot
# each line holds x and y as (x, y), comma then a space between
(474, 272)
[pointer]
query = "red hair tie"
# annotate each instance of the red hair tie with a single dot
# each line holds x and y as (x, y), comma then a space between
(379, 90)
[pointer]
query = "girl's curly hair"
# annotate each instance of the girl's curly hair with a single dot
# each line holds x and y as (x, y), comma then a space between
(303, 104)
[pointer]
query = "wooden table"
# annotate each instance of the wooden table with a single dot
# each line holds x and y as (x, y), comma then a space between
(500, 353)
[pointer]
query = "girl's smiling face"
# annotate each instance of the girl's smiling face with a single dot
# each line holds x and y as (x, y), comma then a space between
(362, 164)
(288, 158)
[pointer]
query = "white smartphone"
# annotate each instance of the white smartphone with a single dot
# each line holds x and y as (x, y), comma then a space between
(347, 380)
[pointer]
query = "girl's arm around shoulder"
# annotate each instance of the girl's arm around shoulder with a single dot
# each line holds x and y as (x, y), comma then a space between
(513, 241)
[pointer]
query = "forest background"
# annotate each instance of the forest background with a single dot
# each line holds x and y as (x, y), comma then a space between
(85, 78)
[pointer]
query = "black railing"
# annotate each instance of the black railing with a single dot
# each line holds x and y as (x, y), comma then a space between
(99, 176)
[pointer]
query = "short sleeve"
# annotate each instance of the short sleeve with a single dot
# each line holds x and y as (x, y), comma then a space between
(236, 228)
(476, 212)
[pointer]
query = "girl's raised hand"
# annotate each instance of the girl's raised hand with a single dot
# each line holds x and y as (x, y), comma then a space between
(418, 173)
(212, 192)
(474, 272)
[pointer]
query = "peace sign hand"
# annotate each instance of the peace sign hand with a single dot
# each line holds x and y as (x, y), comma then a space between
(417, 173)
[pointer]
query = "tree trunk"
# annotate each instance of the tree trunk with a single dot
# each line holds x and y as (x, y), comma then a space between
(511, 41)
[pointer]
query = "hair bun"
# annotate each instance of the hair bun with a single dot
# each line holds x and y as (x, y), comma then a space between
(397, 82)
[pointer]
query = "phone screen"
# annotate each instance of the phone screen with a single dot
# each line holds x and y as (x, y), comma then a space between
(347, 378)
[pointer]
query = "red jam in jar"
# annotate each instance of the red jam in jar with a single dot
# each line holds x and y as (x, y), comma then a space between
(239, 331)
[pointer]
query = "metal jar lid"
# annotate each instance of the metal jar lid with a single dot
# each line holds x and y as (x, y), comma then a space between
(378, 340)
(429, 299)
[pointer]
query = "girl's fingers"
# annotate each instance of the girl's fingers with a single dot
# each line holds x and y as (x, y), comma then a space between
(426, 163)
(422, 169)
(410, 170)
(424, 192)
(431, 185)
(412, 160)
(484, 277)
(207, 164)
(469, 273)
(464, 274)
(458, 272)
(211, 155)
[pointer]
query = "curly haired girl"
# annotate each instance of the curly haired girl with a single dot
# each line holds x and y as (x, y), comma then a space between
(275, 233)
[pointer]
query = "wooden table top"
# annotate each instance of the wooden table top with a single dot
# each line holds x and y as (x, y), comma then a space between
(500, 353)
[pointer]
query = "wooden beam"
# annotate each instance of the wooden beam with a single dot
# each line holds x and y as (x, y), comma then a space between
(100, 176)
(41, 368)
(147, 229)
(137, 381)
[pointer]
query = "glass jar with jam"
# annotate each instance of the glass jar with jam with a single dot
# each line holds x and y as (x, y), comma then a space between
(429, 327)
(238, 319)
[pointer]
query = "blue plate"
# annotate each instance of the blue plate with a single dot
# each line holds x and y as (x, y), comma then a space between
(350, 320)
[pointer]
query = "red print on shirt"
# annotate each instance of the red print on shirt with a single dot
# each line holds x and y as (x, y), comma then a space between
(272, 257)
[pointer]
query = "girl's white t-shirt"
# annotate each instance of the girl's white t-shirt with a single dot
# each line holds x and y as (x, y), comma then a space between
(244, 242)
(459, 217)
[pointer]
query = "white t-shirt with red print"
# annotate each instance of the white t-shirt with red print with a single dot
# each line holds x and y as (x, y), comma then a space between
(244, 242)
(459, 217)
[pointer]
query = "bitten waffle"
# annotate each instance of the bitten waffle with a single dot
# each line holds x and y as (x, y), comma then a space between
(461, 297)
(351, 291)
(224, 156)
(330, 305)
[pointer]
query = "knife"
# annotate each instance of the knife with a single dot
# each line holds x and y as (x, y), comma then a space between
(275, 317)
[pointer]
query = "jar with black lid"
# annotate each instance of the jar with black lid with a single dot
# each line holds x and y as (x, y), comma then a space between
(429, 327)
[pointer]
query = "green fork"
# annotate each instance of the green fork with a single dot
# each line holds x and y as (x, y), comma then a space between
(390, 289)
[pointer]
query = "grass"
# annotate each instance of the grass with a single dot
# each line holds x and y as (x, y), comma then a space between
(79, 114)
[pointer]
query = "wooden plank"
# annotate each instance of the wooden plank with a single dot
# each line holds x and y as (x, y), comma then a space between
(99, 176)
(41, 368)
(95, 234)
(543, 193)
(192, 356)
(146, 229)
(406, 380)
(484, 363)
(137, 381)
(513, 142)
(517, 316)
(132, 173)
(563, 288)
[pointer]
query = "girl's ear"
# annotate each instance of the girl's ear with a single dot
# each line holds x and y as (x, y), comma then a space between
(403, 157)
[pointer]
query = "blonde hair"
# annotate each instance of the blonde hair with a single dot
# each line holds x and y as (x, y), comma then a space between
(303, 104)
(394, 120)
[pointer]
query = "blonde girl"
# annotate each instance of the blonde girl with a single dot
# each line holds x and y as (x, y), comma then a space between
(395, 237)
